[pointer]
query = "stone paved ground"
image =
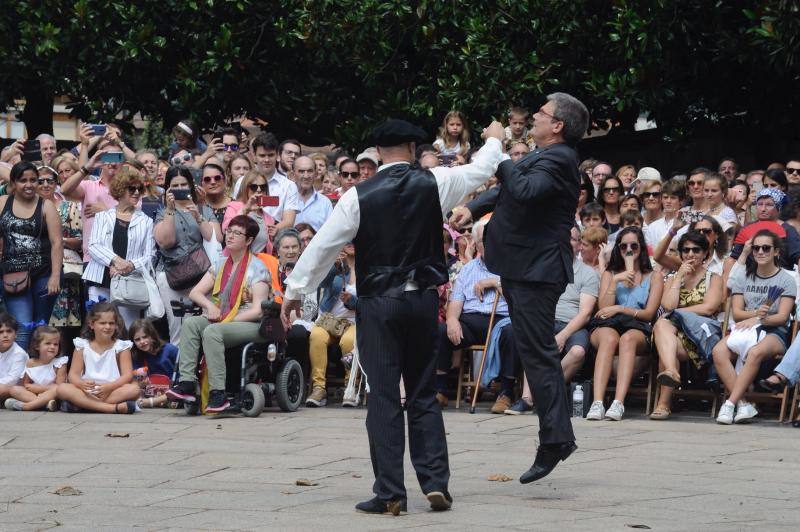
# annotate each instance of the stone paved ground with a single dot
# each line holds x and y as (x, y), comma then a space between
(174, 472)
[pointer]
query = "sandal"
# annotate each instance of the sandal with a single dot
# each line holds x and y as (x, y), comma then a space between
(130, 406)
(669, 378)
(660, 414)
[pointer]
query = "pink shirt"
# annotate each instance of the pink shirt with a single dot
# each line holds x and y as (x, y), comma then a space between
(93, 192)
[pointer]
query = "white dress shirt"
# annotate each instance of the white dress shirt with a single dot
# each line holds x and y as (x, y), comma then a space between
(454, 183)
(286, 190)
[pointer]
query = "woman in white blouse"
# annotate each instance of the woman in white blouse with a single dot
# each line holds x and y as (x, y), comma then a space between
(121, 241)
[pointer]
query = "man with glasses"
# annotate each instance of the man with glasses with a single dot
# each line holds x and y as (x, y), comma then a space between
(230, 144)
(314, 207)
(288, 151)
(793, 172)
(600, 171)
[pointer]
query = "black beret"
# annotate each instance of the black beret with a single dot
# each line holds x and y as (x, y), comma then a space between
(394, 132)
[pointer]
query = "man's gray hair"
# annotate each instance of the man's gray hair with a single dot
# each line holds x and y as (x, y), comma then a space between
(286, 232)
(573, 113)
(477, 225)
(45, 136)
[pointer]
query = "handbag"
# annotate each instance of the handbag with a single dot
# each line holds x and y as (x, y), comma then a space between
(130, 290)
(335, 326)
(16, 282)
(73, 266)
(156, 308)
(187, 271)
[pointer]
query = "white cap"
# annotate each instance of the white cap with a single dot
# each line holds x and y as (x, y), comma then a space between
(367, 154)
(648, 173)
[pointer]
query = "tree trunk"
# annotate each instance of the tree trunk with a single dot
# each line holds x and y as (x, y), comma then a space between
(38, 113)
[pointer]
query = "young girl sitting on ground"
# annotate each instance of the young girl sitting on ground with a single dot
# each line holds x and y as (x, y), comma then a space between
(453, 136)
(101, 376)
(151, 356)
(12, 357)
(43, 373)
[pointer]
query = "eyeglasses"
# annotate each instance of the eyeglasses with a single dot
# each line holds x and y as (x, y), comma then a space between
(230, 147)
(695, 183)
(135, 189)
(706, 231)
(352, 175)
(601, 175)
(762, 249)
(255, 187)
(233, 232)
(46, 181)
(793, 171)
(548, 115)
(634, 246)
(693, 250)
(609, 190)
(208, 178)
(654, 195)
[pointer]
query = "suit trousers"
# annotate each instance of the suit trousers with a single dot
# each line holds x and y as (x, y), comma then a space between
(396, 337)
(532, 307)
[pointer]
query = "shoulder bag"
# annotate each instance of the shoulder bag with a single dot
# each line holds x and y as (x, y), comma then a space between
(186, 271)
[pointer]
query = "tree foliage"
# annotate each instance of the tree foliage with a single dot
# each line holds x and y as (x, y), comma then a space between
(327, 70)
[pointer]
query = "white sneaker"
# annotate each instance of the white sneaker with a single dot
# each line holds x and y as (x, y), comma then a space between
(13, 404)
(725, 416)
(745, 412)
(596, 411)
(615, 411)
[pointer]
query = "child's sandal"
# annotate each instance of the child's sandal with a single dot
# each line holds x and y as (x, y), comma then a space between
(130, 405)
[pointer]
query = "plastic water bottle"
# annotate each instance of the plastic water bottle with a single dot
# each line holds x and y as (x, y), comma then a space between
(577, 401)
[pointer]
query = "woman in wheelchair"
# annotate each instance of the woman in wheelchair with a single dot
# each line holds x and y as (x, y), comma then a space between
(762, 300)
(232, 314)
(693, 289)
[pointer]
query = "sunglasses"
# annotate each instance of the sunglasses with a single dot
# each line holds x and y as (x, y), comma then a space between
(253, 187)
(46, 181)
(765, 249)
(632, 247)
(694, 250)
(793, 171)
(609, 190)
(209, 178)
(352, 175)
(695, 183)
(230, 147)
(651, 195)
(134, 189)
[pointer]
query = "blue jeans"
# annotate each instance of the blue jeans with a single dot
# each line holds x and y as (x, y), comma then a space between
(31, 306)
(790, 365)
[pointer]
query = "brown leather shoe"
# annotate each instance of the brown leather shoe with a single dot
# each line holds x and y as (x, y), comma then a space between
(441, 399)
(501, 404)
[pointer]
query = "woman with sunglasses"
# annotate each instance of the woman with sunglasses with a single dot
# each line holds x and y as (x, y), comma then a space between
(694, 187)
(753, 310)
(610, 197)
(254, 188)
(32, 251)
(214, 191)
(629, 298)
(180, 229)
(348, 175)
(651, 199)
(693, 289)
(67, 307)
(710, 228)
(121, 241)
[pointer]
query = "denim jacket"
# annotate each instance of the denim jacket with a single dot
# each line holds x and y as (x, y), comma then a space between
(330, 288)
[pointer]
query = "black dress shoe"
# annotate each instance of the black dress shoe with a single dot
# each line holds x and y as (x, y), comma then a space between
(768, 386)
(377, 506)
(547, 458)
(439, 500)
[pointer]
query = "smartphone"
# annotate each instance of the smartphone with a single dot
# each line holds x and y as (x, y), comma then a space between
(218, 138)
(446, 160)
(180, 193)
(98, 130)
(112, 157)
(31, 151)
(268, 201)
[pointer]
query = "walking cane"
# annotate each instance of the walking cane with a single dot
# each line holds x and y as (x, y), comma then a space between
(483, 358)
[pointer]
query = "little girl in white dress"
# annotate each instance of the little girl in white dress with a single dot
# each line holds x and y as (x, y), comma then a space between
(44, 371)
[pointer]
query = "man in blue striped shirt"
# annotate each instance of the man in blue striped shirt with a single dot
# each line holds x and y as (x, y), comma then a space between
(467, 323)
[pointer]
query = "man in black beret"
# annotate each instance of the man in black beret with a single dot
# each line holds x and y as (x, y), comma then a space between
(398, 267)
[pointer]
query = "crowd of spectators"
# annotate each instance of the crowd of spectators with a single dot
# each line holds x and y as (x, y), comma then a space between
(100, 241)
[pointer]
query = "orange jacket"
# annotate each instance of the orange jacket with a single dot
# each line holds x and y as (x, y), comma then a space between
(272, 265)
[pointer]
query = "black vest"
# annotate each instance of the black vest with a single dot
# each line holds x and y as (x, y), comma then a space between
(399, 235)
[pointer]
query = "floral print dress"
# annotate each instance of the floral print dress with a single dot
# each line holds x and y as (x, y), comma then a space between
(67, 310)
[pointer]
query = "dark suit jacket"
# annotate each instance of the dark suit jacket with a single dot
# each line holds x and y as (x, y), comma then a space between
(527, 238)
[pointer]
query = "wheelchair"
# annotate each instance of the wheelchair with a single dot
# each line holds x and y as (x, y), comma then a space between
(258, 373)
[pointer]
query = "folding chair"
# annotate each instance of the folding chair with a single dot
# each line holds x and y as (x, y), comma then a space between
(465, 375)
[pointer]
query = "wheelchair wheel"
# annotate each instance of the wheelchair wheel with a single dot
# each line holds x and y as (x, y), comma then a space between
(252, 400)
(192, 409)
(289, 386)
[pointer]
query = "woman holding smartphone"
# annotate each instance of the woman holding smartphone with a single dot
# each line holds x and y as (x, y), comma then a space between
(179, 231)
(253, 197)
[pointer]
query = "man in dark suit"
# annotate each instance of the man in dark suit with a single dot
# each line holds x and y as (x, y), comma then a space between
(527, 244)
